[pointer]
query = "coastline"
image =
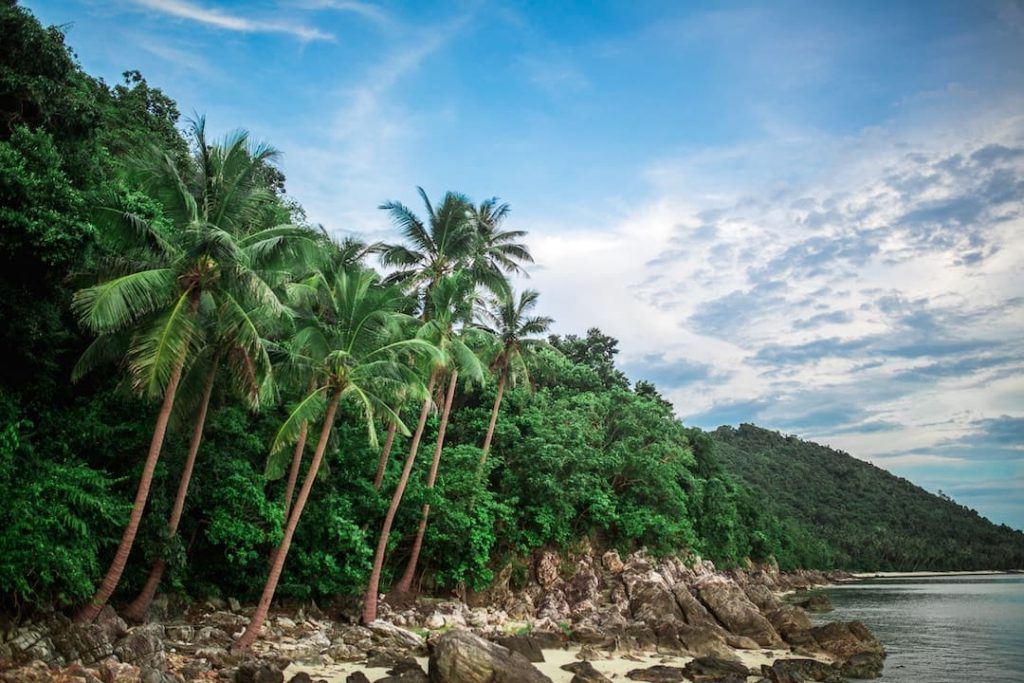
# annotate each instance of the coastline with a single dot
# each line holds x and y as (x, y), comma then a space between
(926, 574)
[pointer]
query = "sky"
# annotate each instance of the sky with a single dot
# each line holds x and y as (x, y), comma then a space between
(803, 215)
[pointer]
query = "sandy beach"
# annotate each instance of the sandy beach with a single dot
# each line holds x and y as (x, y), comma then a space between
(615, 667)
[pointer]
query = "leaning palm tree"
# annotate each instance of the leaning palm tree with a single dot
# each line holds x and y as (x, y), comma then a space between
(453, 303)
(181, 251)
(237, 343)
(508, 320)
(355, 351)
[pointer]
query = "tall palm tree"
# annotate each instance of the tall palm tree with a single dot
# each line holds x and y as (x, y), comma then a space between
(238, 343)
(453, 303)
(498, 253)
(354, 351)
(508, 320)
(183, 252)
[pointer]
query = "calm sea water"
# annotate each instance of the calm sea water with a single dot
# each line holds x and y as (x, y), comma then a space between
(944, 629)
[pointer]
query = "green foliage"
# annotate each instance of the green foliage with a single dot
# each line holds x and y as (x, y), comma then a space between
(851, 514)
(57, 515)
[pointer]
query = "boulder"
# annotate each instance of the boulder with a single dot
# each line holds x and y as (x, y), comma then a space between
(394, 636)
(800, 670)
(527, 646)
(86, 643)
(612, 562)
(716, 669)
(460, 656)
(143, 647)
(760, 595)
(864, 665)
(731, 607)
(694, 613)
(357, 677)
(658, 674)
(546, 569)
(844, 639)
(584, 672)
(257, 672)
(792, 624)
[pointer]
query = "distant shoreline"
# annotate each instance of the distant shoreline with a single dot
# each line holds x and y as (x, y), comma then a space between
(911, 575)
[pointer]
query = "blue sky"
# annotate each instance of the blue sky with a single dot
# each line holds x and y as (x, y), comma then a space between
(805, 215)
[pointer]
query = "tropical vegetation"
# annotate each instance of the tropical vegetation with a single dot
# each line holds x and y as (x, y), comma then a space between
(176, 334)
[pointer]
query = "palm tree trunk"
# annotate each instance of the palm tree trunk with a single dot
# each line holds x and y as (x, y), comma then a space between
(137, 610)
(293, 472)
(263, 608)
(384, 454)
(405, 584)
(370, 601)
(88, 613)
(494, 417)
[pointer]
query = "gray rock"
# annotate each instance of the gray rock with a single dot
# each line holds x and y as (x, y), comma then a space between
(658, 674)
(459, 656)
(143, 647)
(527, 646)
(584, 672)
(731, 607)
(864, 665)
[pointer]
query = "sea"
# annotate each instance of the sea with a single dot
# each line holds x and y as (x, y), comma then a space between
(942, 628)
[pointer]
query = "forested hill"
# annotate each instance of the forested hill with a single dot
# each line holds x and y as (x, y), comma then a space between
(869, 519)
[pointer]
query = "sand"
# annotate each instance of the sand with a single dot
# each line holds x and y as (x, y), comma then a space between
(615, 667)
(911, 575)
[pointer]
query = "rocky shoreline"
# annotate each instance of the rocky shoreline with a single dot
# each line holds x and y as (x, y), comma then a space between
(637, 618)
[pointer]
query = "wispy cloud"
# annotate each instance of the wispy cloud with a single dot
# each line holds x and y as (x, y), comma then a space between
(216, 18)
(363, 9)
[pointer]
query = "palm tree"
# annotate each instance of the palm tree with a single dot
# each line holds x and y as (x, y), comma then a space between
(497, 253)
(238, 343)
(508, 320)
(184, 252)
(452, 302)
(354, 351)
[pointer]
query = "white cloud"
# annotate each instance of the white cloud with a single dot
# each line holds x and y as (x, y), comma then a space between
(231, 22)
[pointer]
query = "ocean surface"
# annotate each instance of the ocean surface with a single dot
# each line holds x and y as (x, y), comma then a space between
(941, 629)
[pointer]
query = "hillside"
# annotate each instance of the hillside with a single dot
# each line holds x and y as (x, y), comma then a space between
(869, 518)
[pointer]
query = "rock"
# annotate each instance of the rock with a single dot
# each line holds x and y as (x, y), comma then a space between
(741, 642)
(864, 665)
(846, 639)
(730, 605)
(435, 621)
(114, 626)
(546, 569)
(113, 671)
(760, 595)
(716, 669)
(143, 647)
(584, 672)
(388, 659)
(301, 677)
(86, 643)
(611, 562)
(285, 622)
(792, 624)
(182, 633)
(817, 602)
(528, 646)
(650, 600)
(800, 670)
(658, 673)
(234, 605)
(357, 677)
(694, 613)
(395, 636)
(255, 672)
(462, 657)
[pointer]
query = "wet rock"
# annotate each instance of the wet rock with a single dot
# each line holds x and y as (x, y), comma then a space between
(528, 646)
(818, 602)
(801, 670)
(735, 611)
(461, 656)
(658, 674)
(864, 665)
(846, 639)
(584, 672)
